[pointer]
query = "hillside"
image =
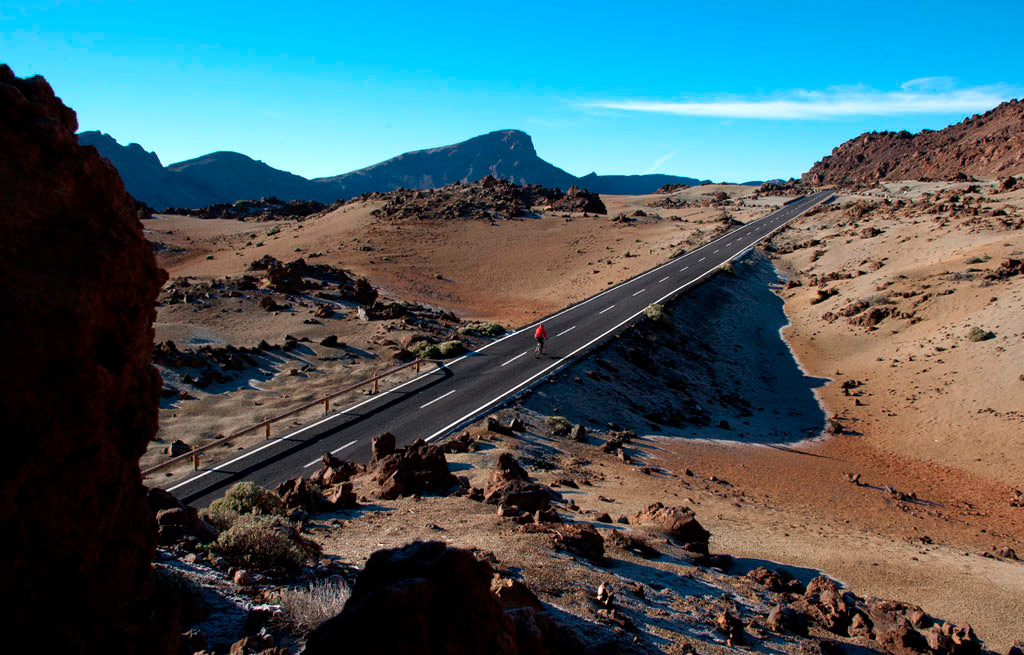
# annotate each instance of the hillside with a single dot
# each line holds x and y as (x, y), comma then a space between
(987, 146)
(226, 177)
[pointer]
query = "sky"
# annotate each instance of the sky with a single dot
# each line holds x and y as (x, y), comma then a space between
(728, 92)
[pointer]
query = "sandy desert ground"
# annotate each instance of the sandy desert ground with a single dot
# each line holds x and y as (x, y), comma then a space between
(932, 413)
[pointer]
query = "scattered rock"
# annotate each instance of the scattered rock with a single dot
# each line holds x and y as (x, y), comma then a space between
(679, 523)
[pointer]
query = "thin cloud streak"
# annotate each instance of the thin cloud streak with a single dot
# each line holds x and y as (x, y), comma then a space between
(817, 105)
(660, 161)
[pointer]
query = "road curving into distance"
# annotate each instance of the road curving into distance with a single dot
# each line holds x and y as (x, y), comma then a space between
(441, 401)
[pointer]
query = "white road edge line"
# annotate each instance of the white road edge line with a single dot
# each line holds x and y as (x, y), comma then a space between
(438, 398)
(540, 373)
(566, 331)
(515, 358)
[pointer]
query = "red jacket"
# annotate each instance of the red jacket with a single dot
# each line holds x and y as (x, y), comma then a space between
(541, 333)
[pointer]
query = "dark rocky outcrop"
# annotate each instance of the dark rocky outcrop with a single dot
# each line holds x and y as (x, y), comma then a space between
(510, 487)
(428, 598)
(78, 293)
(679, 523)
(420, 468)
(988, 145)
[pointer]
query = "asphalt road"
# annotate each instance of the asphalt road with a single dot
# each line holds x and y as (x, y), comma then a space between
(441, 401)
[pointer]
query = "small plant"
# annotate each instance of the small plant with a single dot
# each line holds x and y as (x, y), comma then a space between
(209, 256)
(977, 260)
(425, 350)
(259, 243)
(272, 231)
(243, 498)
(656, 313)
(482, 329)
(451, 349)
(438, 276)
(558, 425)
(678, 252)
(302, 610)
(978, 334)
(262, 542)
(727, 268)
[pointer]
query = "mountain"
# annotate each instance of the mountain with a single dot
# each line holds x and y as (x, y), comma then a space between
(219, 177)
(506, 154)
(230, 176)
(989, 145)
(225, 177)
(631, 185)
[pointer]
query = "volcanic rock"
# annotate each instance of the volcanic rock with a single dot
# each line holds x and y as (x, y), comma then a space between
(420, 468)
(78, 298)
(679, 523)
(428, 598)
(510, 486)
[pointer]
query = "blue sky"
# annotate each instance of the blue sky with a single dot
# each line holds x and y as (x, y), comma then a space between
(319, 89)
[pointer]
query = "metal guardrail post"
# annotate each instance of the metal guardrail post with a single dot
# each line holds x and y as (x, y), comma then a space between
(195, 462)
(268, 429)
(327, 406)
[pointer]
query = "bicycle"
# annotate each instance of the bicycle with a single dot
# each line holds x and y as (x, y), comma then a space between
(538, 350)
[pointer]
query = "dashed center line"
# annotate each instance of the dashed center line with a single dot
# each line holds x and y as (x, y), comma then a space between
(701, 259)
(639, 292)
(336, 450)
(517, 357)
(683, 269)
(605, 309)
(566, 331)
(437, 399)
(662, 280)
(715, 252)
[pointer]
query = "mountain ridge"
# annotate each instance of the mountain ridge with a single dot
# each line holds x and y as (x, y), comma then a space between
(227, 176)
(985, 145)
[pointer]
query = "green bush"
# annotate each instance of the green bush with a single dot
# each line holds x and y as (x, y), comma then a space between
(262, 542)
(727, 268)
(482, 329)
(451, 349)
(558, 425)
(242, 498)
(656, 313)
(425, 350)
(678, 252)
(977, 334)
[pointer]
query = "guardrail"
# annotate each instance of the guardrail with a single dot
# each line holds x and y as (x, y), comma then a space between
(195, 453)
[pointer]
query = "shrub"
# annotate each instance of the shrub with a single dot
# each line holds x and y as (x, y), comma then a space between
(302, 610)
(977, 334)
(272, 231)
(482, 329)
(977, 260)
(678, 252)
(425, 350)
(558, 425)
(656, 313)
(451, 349)
(262, 542)
(727, 268)
(242, 498)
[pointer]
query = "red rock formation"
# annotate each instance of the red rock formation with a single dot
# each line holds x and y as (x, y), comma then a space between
(79, 395)
(989, 145)
(429, 598)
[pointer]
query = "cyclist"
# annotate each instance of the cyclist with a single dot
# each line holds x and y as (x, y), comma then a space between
(541, 335)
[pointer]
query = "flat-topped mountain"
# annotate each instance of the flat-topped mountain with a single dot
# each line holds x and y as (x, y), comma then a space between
(225, 177)
(989, 145)
(506, 154)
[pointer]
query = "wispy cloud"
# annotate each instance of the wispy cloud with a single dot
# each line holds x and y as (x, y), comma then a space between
(660, 161)
(931, 95)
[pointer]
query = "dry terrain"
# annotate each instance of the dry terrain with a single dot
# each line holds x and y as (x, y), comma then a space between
(929, 419)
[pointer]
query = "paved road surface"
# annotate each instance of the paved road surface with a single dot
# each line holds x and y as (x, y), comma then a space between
(440, 402)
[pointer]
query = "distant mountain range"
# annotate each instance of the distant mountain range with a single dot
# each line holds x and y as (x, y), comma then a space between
(224, 177)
